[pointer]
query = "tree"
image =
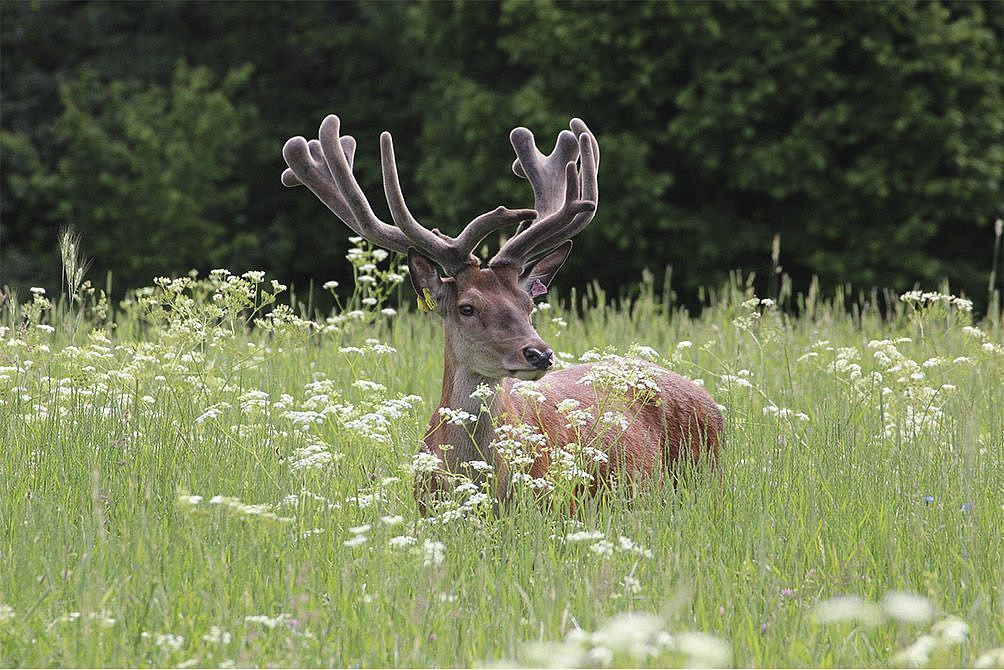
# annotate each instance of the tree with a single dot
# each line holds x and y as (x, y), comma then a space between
(151, 176)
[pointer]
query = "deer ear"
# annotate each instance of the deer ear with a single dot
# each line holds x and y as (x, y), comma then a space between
(427, 281)
(536, 276)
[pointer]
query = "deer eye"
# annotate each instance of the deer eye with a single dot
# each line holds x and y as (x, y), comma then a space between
(466, 310)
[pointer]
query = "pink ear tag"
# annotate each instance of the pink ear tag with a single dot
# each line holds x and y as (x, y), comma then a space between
(537, 288)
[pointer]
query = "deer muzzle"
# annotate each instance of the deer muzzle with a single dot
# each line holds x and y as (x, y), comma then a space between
(540, 359)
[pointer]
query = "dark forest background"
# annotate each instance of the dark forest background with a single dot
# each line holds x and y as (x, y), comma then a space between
(868, 136)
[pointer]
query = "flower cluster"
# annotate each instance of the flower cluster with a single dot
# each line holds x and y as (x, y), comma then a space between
(920, 300)
(232, 504)
(629, 639)
(906, 609)
(374, 281)
(627, 377)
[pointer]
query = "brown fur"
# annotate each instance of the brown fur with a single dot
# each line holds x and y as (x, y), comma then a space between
(682, 424)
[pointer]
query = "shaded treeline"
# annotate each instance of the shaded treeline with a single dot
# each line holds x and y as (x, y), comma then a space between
(867, 135)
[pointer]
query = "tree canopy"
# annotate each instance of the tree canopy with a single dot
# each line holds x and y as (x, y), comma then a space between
(867, 135)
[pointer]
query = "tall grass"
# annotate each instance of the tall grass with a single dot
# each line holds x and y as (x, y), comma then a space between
(179, 488)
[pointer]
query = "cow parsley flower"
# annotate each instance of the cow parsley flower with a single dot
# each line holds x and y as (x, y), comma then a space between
(482, 392)
(456, 417)
(907, 607)
(848, 608)
(433, 553)
(424, 462)
(216, 635)
(528, 390)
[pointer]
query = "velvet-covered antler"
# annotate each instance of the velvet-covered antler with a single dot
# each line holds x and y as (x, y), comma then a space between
(565, 194)
(324, 166)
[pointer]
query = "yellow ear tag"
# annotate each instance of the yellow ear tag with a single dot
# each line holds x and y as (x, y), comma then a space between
(426, 303)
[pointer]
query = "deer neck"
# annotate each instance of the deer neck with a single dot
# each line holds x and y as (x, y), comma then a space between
(471, 441)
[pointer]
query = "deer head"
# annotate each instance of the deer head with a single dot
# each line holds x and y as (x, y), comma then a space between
(485, 311)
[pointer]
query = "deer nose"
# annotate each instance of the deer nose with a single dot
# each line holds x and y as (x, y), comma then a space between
(541, 360)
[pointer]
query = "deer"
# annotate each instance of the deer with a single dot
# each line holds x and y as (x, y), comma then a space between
(488, 334)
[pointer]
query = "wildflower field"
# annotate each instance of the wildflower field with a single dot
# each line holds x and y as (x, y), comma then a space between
(211, 473)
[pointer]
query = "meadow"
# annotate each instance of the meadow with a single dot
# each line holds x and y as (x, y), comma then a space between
(211, 473)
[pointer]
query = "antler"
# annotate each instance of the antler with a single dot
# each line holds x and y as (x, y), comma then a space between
(565, 197)
(324, 166)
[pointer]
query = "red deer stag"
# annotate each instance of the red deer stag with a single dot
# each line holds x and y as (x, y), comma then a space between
(489, 337)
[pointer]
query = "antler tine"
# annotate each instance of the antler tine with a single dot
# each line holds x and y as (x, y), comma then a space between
(543, 172)
(568, 205)
(308, 168)
(289, 177)
(547, 233)
(486, 224)
(309, 165)
(370, 227)
(436, 247)
(551, 235)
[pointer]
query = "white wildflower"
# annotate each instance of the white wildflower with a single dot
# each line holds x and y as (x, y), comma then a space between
(433, 553)
(917, 654)
(735, 380)
(209, 414)
(628, 545)
(479, 466)
(313, 457)
(907, 607)
(456, 417)
(646, 352)
(567, 405)
(603, 548)
(267, 621)
(368, 386)
(630, 633)
(993, 658)
(584, 535)
(848, 608)
(482, 392)
(615, 420)
(169, 641)
(424, 462)
(951, 631)
(630, 584)
(529, 390)
(216, 635)
(703, 650)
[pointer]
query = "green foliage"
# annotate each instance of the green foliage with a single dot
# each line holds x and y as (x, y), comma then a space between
(151, 175)
(867, 136)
